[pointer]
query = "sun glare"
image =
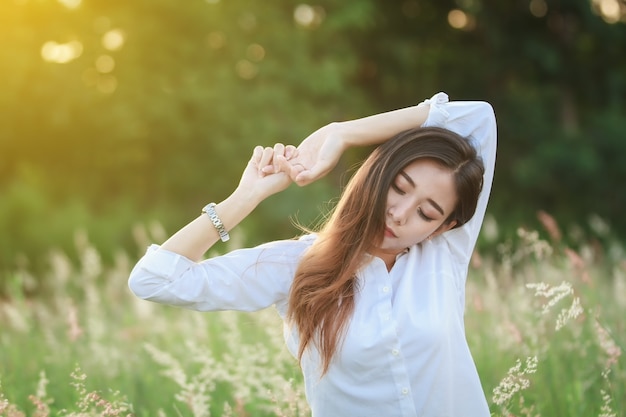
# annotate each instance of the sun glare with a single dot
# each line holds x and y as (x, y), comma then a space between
(612, 11)
(458, 19)
(61, 53)
(70, 4)
(308, 16)
(114, 39)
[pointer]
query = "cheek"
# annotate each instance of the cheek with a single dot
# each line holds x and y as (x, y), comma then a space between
(422, 229)
(439, 228)
(389, 201)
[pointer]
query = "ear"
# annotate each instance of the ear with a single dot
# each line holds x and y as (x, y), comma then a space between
(443, 228)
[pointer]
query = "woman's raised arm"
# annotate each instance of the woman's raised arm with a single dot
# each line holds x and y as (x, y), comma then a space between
(319, 152)
(193, 240)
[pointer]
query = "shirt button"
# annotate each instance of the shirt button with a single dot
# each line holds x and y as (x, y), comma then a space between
(385, 289)
(405, 391)
(395, 352)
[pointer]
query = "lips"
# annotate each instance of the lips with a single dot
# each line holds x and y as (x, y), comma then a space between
(389, 232)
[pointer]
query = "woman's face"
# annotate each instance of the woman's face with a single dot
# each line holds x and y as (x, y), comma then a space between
(421, 198)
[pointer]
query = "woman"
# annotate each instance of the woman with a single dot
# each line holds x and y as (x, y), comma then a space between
(373, 303)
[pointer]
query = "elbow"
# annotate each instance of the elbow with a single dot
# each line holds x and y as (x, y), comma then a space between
(154, 272)
(142, 283)
(486, 109)
(135, 284)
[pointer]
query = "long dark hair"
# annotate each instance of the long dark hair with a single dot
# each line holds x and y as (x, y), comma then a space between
(321, 300)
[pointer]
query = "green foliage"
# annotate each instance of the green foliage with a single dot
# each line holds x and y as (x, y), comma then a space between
(33, 222)
(110, 109)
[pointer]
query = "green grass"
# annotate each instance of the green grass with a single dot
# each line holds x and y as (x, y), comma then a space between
(145, 359)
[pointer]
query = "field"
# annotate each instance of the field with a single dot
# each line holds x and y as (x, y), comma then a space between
(546, 324)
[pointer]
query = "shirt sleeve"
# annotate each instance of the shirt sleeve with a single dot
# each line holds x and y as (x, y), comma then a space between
(476, 121)
(244, 279)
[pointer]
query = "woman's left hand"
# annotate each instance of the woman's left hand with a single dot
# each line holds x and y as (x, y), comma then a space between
(260, 182)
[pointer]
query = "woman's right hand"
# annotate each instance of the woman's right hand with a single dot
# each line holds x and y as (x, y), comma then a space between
(317, 155)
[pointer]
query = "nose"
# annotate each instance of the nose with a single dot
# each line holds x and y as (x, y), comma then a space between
(398, 214)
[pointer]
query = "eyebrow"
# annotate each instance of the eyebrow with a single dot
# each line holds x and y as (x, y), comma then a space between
(430, 200)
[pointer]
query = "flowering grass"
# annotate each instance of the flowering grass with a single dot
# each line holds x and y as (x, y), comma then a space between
(546, 325)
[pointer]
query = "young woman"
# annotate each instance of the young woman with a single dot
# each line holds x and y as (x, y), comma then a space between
(372, 303)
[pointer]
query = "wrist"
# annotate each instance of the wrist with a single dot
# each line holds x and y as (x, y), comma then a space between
(342, 134)
(247, 197)
(209, 210)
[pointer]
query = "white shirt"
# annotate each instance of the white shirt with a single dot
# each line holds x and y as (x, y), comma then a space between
(405, 352)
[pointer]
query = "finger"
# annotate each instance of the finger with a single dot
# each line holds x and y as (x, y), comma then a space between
(257, 152)
(268, 169)
(290, 152)
(256, 155)
(279, 150)
(291, 169)
(266, 159)
(303, 178)
(307, 176)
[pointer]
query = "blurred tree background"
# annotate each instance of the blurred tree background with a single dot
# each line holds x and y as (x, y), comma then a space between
(118, 113)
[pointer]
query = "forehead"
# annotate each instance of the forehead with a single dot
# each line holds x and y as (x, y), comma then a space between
(431, 180)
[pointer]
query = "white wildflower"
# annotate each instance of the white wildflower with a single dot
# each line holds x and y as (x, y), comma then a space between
(568, 314)
(515, 380)
(554, 294)
(606, 410)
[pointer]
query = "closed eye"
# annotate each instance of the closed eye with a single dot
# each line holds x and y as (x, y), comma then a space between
(423, 216)
(397, 189)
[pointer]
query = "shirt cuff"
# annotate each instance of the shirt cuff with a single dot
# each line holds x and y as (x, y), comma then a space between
(437, 115)
(164, 263)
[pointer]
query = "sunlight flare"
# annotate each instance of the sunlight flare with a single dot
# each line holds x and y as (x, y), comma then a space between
(61, 53)
(308, 16)
(70, 4)
(612, 11)
(458, 19)
(114, 39)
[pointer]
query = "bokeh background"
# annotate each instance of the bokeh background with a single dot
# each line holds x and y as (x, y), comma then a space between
(120, 119)
(116, 113)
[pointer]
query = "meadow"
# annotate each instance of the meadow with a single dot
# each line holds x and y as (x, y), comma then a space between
(545, 322)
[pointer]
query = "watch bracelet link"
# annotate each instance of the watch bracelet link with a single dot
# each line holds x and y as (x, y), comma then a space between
(209, 209)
